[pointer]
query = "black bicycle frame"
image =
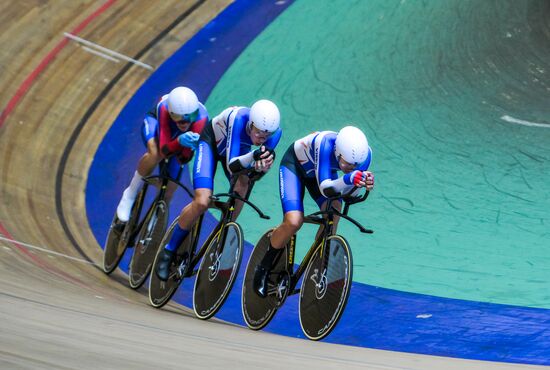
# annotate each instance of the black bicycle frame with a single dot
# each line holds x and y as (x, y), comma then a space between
(165, 178)
(327, 223)
(227, 208)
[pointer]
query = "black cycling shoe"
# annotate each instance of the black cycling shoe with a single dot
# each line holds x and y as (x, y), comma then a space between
(118, 226)
(261, 275)
(163, 268)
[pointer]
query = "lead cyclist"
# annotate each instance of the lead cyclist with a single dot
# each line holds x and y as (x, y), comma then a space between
(313, 162)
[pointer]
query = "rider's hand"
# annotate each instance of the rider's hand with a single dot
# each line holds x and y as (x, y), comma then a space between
(263, 159)
(369, 180)
(189, 139)
(357, 178)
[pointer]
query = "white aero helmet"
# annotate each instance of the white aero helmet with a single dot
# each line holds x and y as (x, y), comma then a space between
(182, 100)
(265, 116)
(352, 145)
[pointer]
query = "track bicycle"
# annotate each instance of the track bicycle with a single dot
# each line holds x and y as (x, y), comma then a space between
(147, 232)
(220, 256)
(327, 271)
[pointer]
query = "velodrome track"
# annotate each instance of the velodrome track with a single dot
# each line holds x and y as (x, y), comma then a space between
(61, 312)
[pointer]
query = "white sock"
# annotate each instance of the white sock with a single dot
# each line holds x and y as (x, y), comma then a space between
(128, 198)
(132, 190)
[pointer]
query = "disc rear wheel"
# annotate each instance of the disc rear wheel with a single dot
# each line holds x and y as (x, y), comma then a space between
(258, 311)
(148, 241)
(160, 292)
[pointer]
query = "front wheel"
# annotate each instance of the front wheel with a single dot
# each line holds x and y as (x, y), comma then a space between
(160, 292)
(258, 311)
(325, 288)
(218, 270)
(148, 242)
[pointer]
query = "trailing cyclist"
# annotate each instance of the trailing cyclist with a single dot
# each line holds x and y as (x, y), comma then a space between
(228, 138)
(313, 162)
(171, 129)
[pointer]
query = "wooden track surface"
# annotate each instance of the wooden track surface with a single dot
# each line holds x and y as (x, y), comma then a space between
(37, 138)
(50, 302)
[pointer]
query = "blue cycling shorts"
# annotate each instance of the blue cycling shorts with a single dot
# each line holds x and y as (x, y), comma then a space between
(206, 160)
(293, 181)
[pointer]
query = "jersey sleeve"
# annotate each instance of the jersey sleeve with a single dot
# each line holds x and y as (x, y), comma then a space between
(201, 121)
(198, 126)
(322, 153)
(185, 153)
(166, 145)
(327, 179)
(234, 140)
(274, 139)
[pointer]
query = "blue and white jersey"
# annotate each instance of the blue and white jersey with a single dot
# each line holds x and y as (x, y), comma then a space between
(231, 133)
(315, 153)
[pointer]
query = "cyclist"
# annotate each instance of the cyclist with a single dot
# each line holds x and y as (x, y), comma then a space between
(228, 138)
(313, 163)
(171, 129)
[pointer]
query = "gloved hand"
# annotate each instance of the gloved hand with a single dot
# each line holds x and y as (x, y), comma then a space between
(189, 139)
(369, 180)
(263, 159)
(356, 178)
(263, 153)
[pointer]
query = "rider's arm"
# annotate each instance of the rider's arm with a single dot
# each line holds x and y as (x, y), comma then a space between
(236, 162)
(185, 154)
(201, 121)
(242, 162)
(330, 187)
(274, 139)
(247, 160)
(167, 146)
(328, 184)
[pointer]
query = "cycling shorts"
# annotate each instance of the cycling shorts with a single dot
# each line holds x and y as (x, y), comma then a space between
(292, 182)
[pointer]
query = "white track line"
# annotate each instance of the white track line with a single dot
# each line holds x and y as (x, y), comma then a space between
(100, 54)
(523, 122)
(47, 251)
(107, 51)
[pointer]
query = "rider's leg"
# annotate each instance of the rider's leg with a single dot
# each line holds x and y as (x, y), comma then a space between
(146, 165)
(292, 222)
(203, 174)
(170, 190)
(174, 169)
(195, 209)
(292, 192)
(188, 217)
(292, 185)
(204, 170)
